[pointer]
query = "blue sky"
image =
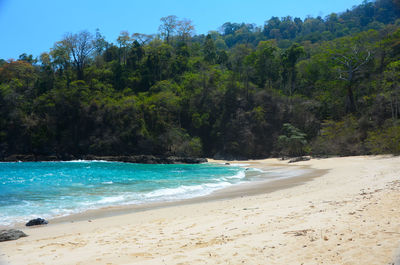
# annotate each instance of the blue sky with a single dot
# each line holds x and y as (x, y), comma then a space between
(33, 26)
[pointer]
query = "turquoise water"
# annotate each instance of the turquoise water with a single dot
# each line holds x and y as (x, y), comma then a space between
(49, 189)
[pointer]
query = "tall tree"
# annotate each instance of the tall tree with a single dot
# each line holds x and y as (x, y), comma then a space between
(350, 57)
(209, 50)
(265, 63)
(61, 60)
(168, 26)
(124, 43)
(80, 47)
(100, 43)
(289, 60)
(185, 29)
(392, 86)
(142, 38)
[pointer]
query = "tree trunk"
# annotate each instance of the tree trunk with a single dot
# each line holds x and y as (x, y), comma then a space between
(392, 107)
(80, 74)
(396, 106)
(350, 104)
(293, 81)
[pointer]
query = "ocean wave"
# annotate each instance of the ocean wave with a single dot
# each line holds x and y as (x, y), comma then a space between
(239, 175)
(107, 182)
(257, 170)
(185, 192)
(167, 192)
(111, 200)
(74, 191)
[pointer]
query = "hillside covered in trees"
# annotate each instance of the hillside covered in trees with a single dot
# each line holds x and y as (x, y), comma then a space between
(320, 86)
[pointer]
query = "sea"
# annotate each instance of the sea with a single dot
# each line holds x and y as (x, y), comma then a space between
(54, 189)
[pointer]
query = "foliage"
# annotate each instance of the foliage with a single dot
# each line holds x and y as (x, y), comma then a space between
(338, 138)
(292, 142)
(245, 91)
(384, 141)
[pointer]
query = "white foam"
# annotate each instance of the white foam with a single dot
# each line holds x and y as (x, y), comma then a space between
(173, 191)
(257, 170)
(185, 192)
(110, 200)
(107, 182)
(239, 175)
(217, 185)
(68, 206)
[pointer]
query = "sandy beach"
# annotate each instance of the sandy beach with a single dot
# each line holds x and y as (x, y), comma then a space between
(345, 211)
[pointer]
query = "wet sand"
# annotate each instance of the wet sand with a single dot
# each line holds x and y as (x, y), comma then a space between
(276, 176)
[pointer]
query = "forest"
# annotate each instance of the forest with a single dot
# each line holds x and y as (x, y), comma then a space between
(291, 87)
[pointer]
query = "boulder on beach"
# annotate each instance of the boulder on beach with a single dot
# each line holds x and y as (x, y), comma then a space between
(299, 159)
(37, 221)
(11, 234)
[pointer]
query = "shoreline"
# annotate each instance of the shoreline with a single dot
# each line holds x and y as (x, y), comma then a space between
(349, 215)
(252, 187)
(140, 159)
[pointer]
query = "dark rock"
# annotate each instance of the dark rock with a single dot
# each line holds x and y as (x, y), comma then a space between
(229, 157)
(148, 159)
(298, 159)
(184, 160)
(46, 158)
(30, 158)
(140, 159)
(37, 221)
(16, 158)
(89, 157)
(11, 234)
(67, 157)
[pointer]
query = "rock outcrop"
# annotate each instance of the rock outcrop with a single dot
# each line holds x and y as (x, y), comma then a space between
(140, 159)
(299, 159)
(37, 221)
(11, 234)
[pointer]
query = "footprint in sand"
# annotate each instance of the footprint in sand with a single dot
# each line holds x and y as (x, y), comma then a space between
(190, 226)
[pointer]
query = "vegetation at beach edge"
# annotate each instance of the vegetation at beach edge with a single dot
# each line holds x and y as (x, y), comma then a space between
(291, 87)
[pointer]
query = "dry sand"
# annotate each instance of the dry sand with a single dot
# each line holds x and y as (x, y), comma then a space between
(349, 215)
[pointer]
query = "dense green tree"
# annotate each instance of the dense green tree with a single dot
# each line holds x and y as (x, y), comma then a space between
(210, 52)
(293, 141)
(289, 71)
(266, 64)
(244, 91)
(392, 88)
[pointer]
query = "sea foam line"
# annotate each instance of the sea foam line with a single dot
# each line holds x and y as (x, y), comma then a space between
(127, 198)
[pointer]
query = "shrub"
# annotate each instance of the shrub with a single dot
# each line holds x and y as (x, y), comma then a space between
(339, 138)
(293, 141)
(384, 141)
